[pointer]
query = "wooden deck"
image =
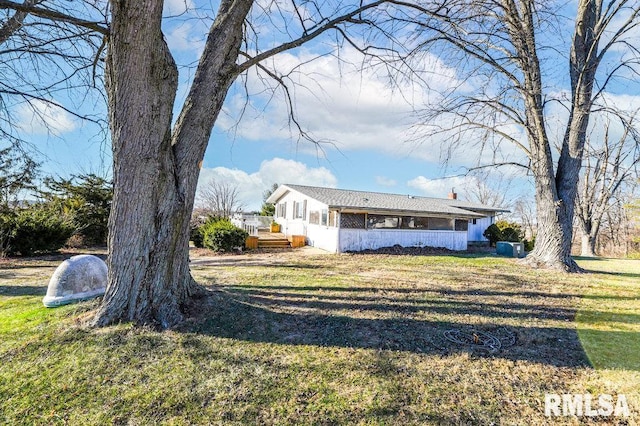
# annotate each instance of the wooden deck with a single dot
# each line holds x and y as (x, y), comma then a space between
(266, 235)
(268, 239)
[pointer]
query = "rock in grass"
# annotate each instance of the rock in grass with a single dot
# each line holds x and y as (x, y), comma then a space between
(78, 278)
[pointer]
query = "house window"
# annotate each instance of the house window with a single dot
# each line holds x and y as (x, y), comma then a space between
(441, 224)
(411, 222)
(375, 221)
(324, 217)
(462, 225)
(299, 209)
(314, 217)
(473, 221)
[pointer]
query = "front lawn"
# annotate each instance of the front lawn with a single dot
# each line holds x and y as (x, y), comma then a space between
(330, 339)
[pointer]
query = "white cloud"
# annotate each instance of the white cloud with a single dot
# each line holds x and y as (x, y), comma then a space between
(337, 101)
(183, 38)
(488, 186)
(177, 7)
(277, 170)
(41, 118)
(358, 110)
(439, 188)
(385, 181)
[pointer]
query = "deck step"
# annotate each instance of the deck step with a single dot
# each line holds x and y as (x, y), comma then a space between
(274, 243)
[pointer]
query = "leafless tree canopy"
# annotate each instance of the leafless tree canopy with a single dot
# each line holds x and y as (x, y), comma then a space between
(490, 189)
(220, 198)
(51, 57)
(609, 174)
(508, 53)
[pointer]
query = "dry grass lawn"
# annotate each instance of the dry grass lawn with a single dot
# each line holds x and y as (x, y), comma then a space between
(295, 338)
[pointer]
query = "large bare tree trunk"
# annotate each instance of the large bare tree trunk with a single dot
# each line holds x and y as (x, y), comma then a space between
(555, 213)
(156, 168)
(148, 258)
(556, 199)
(553, 241)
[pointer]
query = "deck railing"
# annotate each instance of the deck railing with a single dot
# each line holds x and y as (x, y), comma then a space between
(251, 223)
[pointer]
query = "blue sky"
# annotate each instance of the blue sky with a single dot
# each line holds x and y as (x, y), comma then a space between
(368, 124)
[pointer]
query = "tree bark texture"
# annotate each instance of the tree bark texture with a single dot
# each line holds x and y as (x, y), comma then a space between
(556, 193)
(14, 23)
(555, 190)
(588, 245)
(156, 167)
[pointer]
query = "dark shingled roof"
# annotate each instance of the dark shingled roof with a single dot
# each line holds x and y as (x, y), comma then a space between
(378, 201)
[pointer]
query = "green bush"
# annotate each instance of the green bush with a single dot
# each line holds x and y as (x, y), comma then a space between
(87, 200)
(510, 234)
(529, 245)
(503, 231)
(222, 235)
(198, 220)
(195, 235)
(511, 231)
(493, 234)
(35, 229)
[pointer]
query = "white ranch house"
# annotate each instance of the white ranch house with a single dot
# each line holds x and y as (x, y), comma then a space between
(340, 220)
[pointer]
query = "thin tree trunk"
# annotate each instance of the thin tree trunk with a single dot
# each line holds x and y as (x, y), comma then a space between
(589, 236)
(588, 246)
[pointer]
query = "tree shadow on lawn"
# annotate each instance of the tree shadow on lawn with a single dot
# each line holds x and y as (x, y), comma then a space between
(232, 313)
(615, 274)
(471, 292)
(442, 306)
(22, 290)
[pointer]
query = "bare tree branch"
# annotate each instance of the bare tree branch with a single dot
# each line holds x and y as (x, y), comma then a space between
(53, 15)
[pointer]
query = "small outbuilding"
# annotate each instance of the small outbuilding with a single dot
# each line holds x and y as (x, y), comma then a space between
(339, 220)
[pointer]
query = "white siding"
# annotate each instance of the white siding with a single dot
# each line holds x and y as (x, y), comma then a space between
(362, 239)
(474, 232)
(323, 237)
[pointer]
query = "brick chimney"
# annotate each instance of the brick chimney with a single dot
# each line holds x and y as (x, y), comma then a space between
(453, 195)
